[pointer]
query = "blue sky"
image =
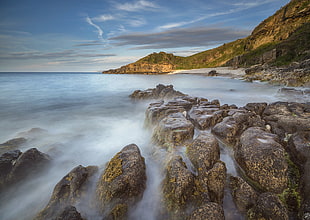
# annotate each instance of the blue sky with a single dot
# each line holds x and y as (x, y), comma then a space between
(96, 35)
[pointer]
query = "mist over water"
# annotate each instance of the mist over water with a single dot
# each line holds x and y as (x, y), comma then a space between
(88, 118)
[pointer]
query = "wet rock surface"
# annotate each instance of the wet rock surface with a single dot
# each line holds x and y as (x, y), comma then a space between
(268, 206)
(287, 117)
(68, 192)
(160, 92)
(262, 159)
(122, 183)
(266, 141)
(16, 166)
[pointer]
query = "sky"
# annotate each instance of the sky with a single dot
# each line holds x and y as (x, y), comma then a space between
(97, 35)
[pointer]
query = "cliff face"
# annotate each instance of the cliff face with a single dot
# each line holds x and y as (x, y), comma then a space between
(142, 68)
(270, 42)
(281, 25)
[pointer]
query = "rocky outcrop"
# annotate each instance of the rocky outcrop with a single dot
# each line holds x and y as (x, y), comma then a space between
(243, 194)
(178, 189)
(262, 159)
(142, 68)
(69, 213)
(287, 118)
(299, 148)
(122, 183)
(230, 129)
(268, 206)
(210, 210)
(12, 144)
(17, 166)
(160, 92)
(68, 192)
(173, 130)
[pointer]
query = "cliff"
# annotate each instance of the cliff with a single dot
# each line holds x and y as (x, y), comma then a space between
(278, 40)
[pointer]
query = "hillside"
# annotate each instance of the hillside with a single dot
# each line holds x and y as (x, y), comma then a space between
(278, 40)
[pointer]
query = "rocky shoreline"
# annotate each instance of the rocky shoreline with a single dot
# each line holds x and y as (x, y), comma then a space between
(270, 145)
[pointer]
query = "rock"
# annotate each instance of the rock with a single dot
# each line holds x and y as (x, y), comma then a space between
(7, 161)
(210, 211)
(212, 73)
(178, 189)
(288, 117)
(160, 92)
(203, 152)
(205, 117)
(216, 179)
(68, 192)
(230, 129)
(158, 110)
(69, 213)
(173, 130)
(243, 194)
(28, 163)
(257, 108)
(262, 159)
(268, 207)
(122, 183)
(299, 147)
(12, 144)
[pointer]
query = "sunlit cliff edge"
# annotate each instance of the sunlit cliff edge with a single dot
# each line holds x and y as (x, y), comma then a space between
(280, 40)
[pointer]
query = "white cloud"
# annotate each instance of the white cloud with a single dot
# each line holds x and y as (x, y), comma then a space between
(136, 22)
(103, 18)
(137, 6)
(100, 31)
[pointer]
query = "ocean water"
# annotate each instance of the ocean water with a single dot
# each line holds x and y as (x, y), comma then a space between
(88, 117)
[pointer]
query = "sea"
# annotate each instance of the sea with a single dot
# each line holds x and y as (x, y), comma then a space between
(86, 118)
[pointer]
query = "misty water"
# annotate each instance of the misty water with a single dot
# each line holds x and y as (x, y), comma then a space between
(88, 118)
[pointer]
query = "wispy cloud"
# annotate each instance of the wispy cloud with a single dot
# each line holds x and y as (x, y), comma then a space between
(137, 6)
(100, 31)
(26, 55)
(103, 18)
(181, 37)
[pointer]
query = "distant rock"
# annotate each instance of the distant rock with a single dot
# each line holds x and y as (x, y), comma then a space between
(160, 92)
(12, 144)
(122, 183)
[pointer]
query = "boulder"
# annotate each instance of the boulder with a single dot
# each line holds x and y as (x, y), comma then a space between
(257, 108)
(12, 144)
(158, 110)
(122, 183)
(7, 161)
(216, 179)
(210, 211)
(288, 117)
(28, 163)
(179, 189)
(299, 148)
(243, 194)
(69, 213)
(262, 159)
(69, 191)
(269, 207)
(230, 129)
(205, 117)
(203, 152)
(173, 130)
(160, 92)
